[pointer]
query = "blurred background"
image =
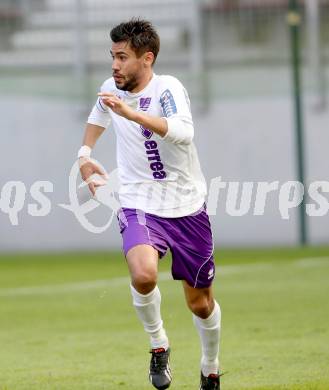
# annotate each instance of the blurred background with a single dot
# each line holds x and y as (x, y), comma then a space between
(235, 59)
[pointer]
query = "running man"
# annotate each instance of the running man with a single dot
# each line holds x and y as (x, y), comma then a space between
(162, 193)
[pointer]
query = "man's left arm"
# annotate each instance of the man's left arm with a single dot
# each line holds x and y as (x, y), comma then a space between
(156, 124)
(175, 126)
(153, 123)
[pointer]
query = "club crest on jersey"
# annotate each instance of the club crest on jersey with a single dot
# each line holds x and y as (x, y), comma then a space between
(168, 104)
(144, 103)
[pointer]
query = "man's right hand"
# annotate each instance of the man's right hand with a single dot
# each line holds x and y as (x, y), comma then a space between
(88, 168)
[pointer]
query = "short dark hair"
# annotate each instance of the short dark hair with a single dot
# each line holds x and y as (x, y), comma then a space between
(141, 35)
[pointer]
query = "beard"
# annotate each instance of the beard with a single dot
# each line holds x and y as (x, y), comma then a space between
(128, 83)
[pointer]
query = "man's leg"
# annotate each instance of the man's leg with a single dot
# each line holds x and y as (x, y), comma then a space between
(207, 319)
(143, 267)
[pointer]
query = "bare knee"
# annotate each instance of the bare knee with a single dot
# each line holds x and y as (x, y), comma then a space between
(202, 306)
(142, 262)
(144, 281)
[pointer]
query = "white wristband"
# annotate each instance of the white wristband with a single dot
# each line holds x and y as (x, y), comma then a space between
(84, 151)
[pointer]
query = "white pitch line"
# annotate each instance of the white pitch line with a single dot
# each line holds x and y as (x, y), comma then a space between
(71, 287)
(222, 270)
(242, 268)
(312, 261)
(106, 283)
(61, 288)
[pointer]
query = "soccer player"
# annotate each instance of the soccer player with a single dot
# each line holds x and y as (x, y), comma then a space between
(162, 193)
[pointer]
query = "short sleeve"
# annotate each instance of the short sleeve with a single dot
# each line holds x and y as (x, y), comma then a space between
(100, 114)
(174, 100)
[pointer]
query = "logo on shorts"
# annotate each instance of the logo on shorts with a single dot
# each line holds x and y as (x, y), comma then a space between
(211, 273)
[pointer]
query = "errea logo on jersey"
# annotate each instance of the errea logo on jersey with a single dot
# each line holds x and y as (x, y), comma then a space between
(154, 158)
(168, 104)
(146, 132)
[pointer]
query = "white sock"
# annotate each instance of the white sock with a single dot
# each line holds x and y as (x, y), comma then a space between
(209, 330)
(148, 311)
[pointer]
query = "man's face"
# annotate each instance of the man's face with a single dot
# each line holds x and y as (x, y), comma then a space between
(127, 68)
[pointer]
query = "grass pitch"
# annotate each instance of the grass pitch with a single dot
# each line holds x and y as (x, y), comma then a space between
(67, 323)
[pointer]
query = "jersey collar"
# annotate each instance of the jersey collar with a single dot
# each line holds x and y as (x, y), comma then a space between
(140, 93)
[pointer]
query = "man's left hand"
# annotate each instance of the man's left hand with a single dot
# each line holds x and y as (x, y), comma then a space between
(117, 105)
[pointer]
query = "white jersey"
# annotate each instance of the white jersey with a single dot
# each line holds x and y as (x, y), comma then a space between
(159, 175)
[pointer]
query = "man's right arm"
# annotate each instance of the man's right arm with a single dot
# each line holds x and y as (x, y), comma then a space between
(98, 121)
(87, 166)
(92, 133)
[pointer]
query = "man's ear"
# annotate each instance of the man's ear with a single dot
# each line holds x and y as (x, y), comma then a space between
(148, 58)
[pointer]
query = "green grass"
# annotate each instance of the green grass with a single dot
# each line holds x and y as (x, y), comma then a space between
(275, 334)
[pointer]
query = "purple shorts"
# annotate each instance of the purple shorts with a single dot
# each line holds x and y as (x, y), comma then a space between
(188, 238)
